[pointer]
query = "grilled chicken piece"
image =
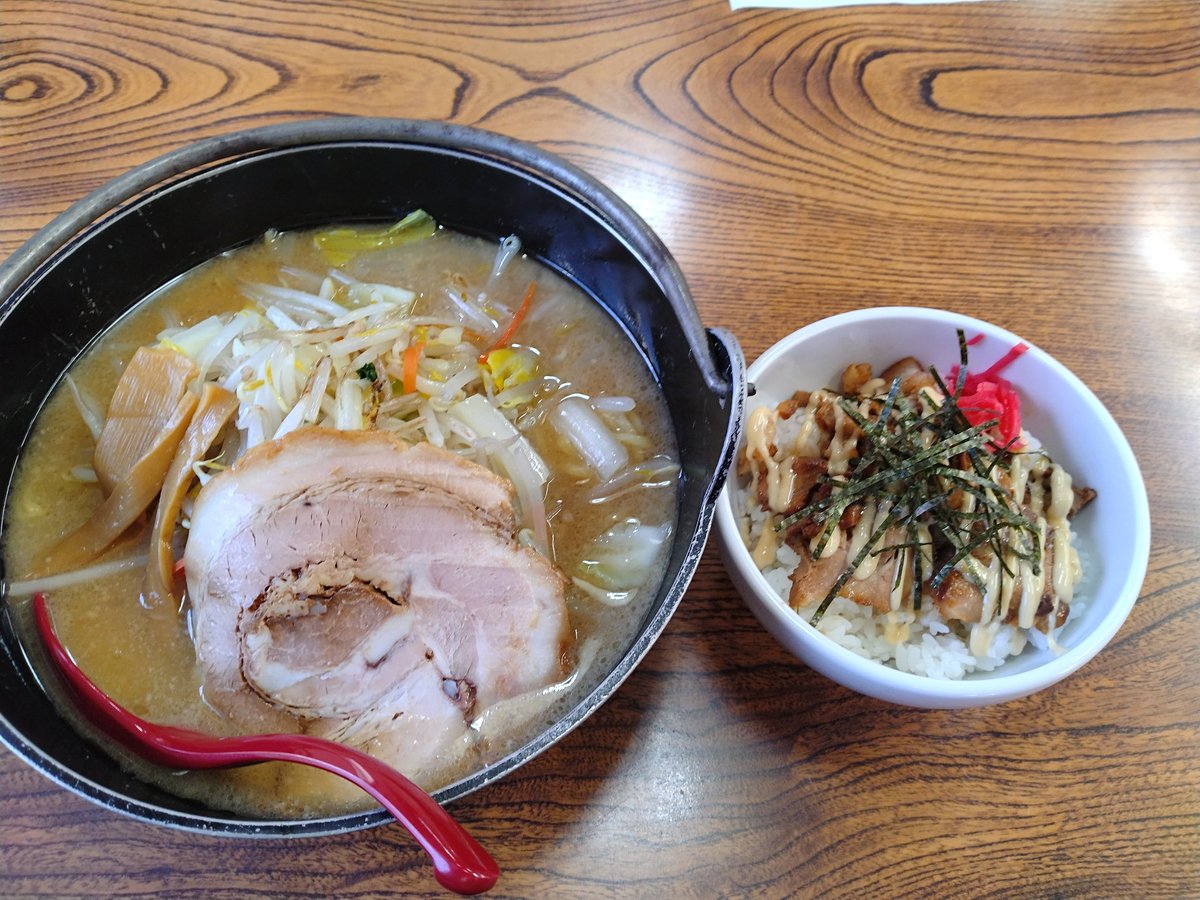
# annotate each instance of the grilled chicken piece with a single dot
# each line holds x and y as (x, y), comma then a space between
(855, 376)
(957, 598)
(912, 374)
(808, 471)
(793, 404)
(813, 579)
(1083, 496)
(875, 590)
(372, 590)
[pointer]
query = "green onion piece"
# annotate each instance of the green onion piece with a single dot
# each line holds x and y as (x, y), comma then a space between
(342, 244)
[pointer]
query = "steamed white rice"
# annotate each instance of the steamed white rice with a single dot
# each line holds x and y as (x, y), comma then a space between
(930, 648)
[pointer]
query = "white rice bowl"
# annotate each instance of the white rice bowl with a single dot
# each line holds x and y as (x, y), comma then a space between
(934, 667)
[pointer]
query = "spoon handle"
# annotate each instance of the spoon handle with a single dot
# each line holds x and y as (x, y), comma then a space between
(460, 864)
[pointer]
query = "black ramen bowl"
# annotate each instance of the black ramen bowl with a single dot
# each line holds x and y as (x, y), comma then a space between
(84, 270)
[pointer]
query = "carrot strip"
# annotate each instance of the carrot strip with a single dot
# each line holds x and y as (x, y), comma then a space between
(408, 371)
(518, 317)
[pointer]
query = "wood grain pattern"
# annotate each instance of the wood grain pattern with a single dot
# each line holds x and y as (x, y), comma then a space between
(1036, 163)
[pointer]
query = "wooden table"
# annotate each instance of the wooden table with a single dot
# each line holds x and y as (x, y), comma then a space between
(1035, 163)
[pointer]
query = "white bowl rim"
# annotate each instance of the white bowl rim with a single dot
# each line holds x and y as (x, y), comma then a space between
(889, 683)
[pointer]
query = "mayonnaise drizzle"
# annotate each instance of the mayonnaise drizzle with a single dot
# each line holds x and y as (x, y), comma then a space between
(858, 539)
(1065, 557)
(898, 593)
(1033, 584)
(896, 627)
(810, 436)
(844, 443)
(766, 548)
(760, 435)
(831, 546)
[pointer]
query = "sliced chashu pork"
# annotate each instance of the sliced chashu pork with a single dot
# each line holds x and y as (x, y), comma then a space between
(372, 591)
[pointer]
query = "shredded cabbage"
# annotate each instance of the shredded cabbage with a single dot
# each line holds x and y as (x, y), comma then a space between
(599, 448)
(340, 245)
(619, 561)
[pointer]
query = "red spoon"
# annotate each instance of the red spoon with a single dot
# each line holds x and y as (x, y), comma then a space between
(459, 863)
